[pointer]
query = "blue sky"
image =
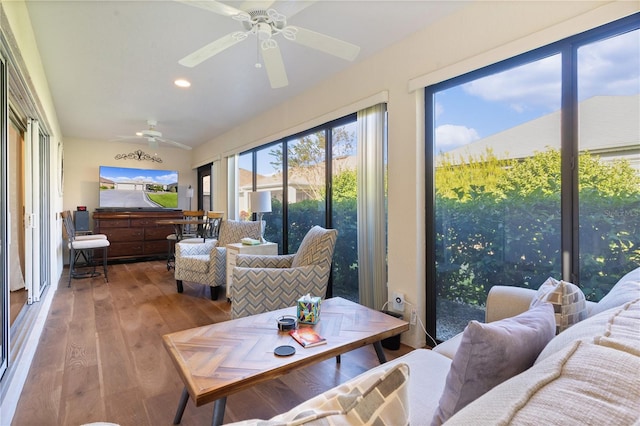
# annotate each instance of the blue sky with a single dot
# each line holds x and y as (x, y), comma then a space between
(123, 174)
(492, 104)
(478, 109)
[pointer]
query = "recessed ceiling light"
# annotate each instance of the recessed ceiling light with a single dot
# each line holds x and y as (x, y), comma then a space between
(181, 82)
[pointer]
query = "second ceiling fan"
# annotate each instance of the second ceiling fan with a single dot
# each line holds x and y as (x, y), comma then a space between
(265, 23)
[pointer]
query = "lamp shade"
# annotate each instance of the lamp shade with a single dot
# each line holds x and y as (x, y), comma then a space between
(261, 201)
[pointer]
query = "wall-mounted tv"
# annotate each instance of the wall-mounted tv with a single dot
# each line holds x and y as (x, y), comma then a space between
(123, 187)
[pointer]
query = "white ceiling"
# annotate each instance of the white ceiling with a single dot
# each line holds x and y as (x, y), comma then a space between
(111, 64)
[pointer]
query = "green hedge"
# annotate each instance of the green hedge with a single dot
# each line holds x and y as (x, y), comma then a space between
(501, 225)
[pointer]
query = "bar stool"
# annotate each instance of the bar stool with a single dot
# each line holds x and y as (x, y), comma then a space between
(83, 246)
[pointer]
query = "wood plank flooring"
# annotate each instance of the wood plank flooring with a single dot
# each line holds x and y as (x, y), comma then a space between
(100, 357)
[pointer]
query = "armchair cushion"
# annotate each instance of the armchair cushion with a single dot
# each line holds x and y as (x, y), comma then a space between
(200, 249)
(258, 261)
(257, 290)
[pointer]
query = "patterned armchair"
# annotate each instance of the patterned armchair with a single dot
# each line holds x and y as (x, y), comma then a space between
(266, 283)
(205, 262)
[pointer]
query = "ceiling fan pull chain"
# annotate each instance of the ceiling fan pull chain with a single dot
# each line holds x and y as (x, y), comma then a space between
(258, 64)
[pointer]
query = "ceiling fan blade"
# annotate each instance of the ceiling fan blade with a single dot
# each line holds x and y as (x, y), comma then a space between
(275, 65)
(214, 6)
(324, 43)
(210, 50)
(178, 144)
(124, 138)
(256, 4)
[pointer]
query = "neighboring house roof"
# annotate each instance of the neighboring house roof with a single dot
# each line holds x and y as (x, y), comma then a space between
(609, 127)
(297, 178)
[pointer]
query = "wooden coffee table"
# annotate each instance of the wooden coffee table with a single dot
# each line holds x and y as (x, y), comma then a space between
(218, 360)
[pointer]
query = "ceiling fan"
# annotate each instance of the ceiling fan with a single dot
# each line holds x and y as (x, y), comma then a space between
(154, 136)
(265, 23)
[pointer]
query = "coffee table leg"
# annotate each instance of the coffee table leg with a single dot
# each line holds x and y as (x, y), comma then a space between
(378, 347)
(218, 411)
(181, 406)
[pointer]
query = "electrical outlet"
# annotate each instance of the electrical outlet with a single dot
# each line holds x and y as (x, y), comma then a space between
(398, 301)
(414, 317)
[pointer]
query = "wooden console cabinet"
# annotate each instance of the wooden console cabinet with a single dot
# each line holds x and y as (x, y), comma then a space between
(135, 234)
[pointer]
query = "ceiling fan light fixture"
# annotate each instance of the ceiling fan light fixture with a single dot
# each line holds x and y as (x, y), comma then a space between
(263, 30)
(289, 33)
(265, 23)
(277, 18)
(269, 44)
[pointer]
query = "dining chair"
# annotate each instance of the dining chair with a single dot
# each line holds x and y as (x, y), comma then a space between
(83, 246)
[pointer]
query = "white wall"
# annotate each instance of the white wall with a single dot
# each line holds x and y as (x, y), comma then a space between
(477, 35)
(82, 159)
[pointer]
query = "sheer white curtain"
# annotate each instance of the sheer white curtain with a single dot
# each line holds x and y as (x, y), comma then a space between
(372, 223)
(232, 187)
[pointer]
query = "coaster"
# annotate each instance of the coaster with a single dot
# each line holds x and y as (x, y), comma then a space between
(285, 350)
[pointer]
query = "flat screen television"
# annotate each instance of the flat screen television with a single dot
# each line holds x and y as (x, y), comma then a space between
(124, 187)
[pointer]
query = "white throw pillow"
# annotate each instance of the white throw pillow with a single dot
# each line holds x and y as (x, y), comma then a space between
(379, 397)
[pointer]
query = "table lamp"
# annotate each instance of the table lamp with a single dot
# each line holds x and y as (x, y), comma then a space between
(260, 204)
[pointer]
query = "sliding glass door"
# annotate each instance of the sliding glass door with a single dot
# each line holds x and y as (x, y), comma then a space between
(534, 171)
(312, 177)
(608, 77)
(497, 187)
(4, 209)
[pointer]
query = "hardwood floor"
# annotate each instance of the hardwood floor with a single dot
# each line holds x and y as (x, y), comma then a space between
(100, 357)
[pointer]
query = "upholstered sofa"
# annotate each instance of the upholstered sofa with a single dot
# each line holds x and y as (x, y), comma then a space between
(588, 374)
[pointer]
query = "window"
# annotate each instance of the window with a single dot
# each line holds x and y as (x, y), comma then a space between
(344, 175)
(609, 161)
(306, 185)
(505, 204)
(308, 190)
(205, 201)
(4, 258)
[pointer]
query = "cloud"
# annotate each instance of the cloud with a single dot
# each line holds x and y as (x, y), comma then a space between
(608, 67)
(536, 84)
(167, 178)
(449, 136)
